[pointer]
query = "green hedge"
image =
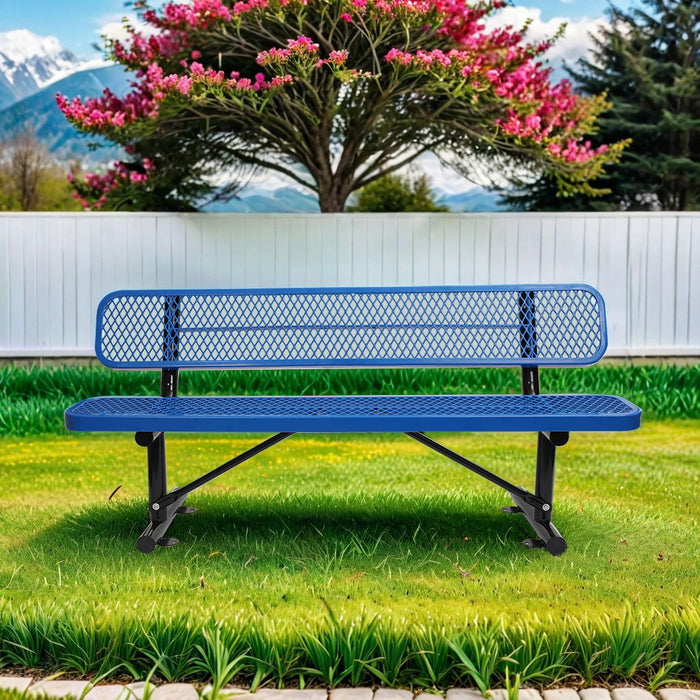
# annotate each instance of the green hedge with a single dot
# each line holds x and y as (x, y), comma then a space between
(32, 399)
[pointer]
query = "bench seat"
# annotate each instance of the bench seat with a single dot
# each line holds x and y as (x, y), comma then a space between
(345, 414)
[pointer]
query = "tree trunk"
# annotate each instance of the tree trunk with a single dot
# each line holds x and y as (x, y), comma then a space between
(333, 195)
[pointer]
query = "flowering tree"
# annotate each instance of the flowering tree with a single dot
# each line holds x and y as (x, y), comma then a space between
(331, 93)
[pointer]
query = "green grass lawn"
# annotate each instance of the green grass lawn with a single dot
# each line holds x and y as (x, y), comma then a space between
(362, 524)
(352, 559)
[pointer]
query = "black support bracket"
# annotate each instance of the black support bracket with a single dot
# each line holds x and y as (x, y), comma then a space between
(174, 495)
(535, 507)
(161, 518)
(146, 439)
(557, 439)
(540, 520)
(164, 506)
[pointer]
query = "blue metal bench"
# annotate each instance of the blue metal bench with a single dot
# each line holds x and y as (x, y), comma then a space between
(525, 326)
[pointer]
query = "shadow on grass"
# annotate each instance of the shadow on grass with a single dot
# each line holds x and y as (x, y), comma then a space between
(286, 555)
(313, 531)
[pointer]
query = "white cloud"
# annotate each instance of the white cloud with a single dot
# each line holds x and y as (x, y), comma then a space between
(573, 45)
(112, 26)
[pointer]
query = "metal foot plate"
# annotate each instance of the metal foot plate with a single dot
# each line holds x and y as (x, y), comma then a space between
(511, 509)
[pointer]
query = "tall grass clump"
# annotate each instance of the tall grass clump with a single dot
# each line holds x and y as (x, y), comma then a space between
(221, 655)
(11, 694)
(273, 656)
(33, 399)
(654, 648)
(535, 653)
(433, 660)
(684, 640)
(478, 652)
(166, 644)
(343, 651)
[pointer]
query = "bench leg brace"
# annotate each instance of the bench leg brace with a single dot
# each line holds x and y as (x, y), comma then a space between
(160, 518)
(164, 506)
(537, 507)
(541, 522)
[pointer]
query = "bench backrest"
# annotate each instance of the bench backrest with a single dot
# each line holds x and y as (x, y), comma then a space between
(345, 327)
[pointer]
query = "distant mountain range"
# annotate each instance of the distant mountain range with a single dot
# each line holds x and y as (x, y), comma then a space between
(33, 69)
(41, 112)
(258, 199)
(289, 199)
(29, 62)
(475, 199)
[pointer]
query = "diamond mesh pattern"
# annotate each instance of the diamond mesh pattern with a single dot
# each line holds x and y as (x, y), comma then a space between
(349, 327)
(508, 406)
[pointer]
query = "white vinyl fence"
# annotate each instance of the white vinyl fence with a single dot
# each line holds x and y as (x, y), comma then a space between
(54, 268)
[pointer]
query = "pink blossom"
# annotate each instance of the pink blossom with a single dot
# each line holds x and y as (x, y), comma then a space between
(273, 55)
(400, 57)
(302, 44)
(338, 57)
(532, 121)
(184, 85)
(281, 80)
(122, 174)
(240, 8)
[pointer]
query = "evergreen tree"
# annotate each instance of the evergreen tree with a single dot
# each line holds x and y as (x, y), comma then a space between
(648, 61)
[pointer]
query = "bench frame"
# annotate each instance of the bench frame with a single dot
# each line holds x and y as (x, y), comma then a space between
(536, 507)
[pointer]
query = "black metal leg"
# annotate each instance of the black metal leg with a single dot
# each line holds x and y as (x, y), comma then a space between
(540, 519)
(547, 444)
(157, 475)
(160, 518)
(154, 534)
(544, 476)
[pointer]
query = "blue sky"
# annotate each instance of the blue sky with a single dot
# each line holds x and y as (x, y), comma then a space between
(77, 23)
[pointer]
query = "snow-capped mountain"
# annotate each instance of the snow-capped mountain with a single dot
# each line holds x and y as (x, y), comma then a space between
(29, 62)
(40, 112)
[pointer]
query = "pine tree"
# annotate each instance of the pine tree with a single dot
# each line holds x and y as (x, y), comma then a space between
(648, 61)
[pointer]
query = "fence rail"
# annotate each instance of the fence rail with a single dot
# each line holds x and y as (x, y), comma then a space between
(55, 267)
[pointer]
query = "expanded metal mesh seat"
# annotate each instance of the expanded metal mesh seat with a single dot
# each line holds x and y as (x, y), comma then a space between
(347, 414)
(526, 326)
